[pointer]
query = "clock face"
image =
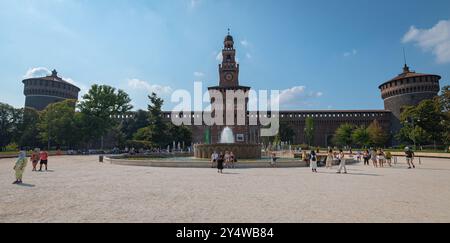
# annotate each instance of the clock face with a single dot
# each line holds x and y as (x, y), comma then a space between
(229, 77)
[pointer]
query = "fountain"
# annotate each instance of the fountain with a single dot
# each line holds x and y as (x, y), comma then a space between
(227, 136)
(227, 143)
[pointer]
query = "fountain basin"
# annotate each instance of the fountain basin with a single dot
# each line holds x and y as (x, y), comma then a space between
(241, 151)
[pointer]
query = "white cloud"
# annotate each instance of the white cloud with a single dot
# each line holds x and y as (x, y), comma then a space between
(194, 3)
(436, 40)
(199, 74)
(353, 52)
(83, 88)
(156, 88)
(297, 95)
(245, 43)
(248, 55)
(37, 72)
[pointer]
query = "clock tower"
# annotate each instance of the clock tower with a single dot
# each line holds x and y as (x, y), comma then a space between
(229, 69)
(229, 82)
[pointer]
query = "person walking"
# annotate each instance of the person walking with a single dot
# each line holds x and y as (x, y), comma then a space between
(44, 160)
(381, 157)
(226, 159)
(366, 157)
(19, 167)
(220, 161)
(341, 159)
(313, 161)
(273, 160)
(389, 158)
(330, 158)
(409, 157)
(35, 158)
(233, 160)
(373, 156)
(214, 158)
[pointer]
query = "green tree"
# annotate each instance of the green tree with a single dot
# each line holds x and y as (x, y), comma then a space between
(180, 134)
(286, 133)
(57, 124)
(28, 134)
(428, 115)
(444, 100)
(309, 130)
(378, 136)
(157, 131)
(9, 124)
(361, 137)
(130, 126)
(343, 135)
(100, 107)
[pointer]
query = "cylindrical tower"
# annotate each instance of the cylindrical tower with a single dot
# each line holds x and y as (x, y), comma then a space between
(407, 89)
(40, 92)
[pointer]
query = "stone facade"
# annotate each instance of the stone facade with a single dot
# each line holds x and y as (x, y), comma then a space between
(407, 89)
(41, 92)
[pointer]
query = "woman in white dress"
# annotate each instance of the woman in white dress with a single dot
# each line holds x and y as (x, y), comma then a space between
(313, 161)
(341, 158)
(330, 158)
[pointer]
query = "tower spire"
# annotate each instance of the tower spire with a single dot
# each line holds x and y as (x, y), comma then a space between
(228, 31)
(405, 68)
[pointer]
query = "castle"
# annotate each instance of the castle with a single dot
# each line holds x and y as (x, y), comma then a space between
(407, 89)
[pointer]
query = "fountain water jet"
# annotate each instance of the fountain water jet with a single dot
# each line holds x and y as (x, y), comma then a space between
(227, 136)
(227, 143)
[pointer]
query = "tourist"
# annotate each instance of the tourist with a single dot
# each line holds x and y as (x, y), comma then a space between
(313, 161)
(304, 156)
(373, 156)
(232, 159)
(330, 159)
(226, 159)
(44, 159)
(273, 160)
(380, 158)
(389, 158)
(19, 167)
(341, 159)
(214, 158)
(366, 157)
(220, 161)
(35, 158)
(409, 157)
(359, 155)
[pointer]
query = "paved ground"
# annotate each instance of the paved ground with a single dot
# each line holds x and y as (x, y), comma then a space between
(78, 189)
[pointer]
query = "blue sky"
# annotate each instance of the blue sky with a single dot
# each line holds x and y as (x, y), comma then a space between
(324, 54)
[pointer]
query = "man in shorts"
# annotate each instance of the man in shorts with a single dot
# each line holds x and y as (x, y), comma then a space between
(409, 157)
(44, 159)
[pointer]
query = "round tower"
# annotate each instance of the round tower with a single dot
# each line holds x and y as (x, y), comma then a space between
(407, 89)
(40, 92)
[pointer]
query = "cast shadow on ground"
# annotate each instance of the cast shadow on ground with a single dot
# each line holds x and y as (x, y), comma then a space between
(349, 173)
(25, 185)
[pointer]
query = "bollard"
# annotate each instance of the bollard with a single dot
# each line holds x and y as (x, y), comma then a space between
(100, 159)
